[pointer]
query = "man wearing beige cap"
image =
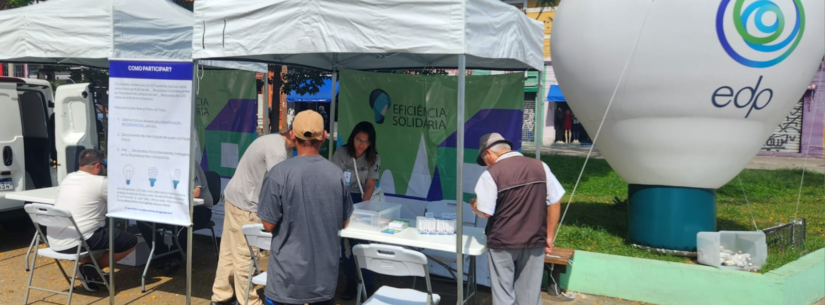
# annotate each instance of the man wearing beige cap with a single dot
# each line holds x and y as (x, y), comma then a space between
(520, 196)
(304, 202)
(240, 208)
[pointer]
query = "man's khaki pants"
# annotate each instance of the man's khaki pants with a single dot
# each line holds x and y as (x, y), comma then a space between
(234, 260)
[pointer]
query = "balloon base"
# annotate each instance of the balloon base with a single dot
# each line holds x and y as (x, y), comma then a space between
(668, 217)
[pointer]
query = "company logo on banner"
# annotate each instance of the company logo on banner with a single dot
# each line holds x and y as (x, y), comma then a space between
(763, 27)
(704, 82)
(415, 121)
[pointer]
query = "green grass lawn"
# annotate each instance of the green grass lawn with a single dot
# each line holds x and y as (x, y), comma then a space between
(594, 224)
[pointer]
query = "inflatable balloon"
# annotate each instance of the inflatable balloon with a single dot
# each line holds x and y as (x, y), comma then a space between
(701, 86)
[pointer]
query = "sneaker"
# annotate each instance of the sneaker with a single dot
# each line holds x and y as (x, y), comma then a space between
(91, 273)
(86, 280)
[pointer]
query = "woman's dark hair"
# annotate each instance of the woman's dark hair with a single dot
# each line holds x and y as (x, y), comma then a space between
(372, 151)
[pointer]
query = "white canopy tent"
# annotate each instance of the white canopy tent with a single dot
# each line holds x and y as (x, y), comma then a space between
(91, 32)
(374, 35)
(369, 34)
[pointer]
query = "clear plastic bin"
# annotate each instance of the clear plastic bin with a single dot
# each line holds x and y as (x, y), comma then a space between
(709, 245)
(369, 215)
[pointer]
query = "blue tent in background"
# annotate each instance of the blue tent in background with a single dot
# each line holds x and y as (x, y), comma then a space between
(324, 95)
(555, 95)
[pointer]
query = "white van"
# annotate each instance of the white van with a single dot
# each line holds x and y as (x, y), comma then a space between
(40, 138)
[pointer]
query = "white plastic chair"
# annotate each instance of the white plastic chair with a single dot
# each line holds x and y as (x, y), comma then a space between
(394, 261)
(258, 238)
(55, 217)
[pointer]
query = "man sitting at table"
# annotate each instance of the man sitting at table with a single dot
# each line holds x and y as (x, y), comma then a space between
(201, 214)
(304, 202)
(84, 194)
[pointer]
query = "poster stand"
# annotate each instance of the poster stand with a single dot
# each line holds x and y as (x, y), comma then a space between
(156, 82)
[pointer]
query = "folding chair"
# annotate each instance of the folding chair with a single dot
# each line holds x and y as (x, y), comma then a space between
(55, 217)
(394, 261)
(258, 238)
(213, 181)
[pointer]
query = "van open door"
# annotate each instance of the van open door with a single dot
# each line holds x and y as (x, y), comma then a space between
(75, 126)
(13, 163)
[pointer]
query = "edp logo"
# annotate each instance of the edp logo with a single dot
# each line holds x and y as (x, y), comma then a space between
(746, 97)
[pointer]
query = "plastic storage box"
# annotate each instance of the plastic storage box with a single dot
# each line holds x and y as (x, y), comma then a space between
(374, 215)
(710, 244)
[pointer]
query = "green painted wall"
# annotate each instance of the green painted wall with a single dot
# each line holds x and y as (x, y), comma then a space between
(800, 282)
(805, 279)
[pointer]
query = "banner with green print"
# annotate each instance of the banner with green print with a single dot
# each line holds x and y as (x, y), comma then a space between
(415, 121)
(226, 118)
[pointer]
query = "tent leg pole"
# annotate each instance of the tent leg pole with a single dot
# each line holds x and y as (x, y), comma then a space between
(539, 120)
(191, 180)
(267, 126)
(111, 262)
(333, 104)
(459, 181)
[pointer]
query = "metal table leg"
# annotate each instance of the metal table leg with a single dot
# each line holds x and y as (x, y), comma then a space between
(149, 261)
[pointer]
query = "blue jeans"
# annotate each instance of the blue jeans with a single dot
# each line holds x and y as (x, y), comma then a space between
(349, 263)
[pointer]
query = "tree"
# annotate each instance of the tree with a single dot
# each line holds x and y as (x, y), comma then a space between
(187, 4)
(302, 81)
(546, 3)
(7, 4)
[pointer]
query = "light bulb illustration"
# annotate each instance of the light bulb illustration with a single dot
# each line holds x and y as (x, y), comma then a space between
(153, 176)
(176, 178)
(128, 171)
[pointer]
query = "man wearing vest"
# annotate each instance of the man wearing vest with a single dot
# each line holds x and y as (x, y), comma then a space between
(520, 196)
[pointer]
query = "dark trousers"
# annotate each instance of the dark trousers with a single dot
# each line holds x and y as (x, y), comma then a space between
(327, 302)
(201, 215)
(349, 263)
(576, 131)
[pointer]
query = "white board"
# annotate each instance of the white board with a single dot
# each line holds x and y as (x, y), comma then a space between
(150, 141)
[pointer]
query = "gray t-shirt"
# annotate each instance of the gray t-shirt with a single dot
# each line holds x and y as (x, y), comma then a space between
(244, 188)
(306, 199)
(200, 182)
(365, 172)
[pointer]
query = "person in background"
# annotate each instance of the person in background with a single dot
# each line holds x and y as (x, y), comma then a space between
(241, 207)
(520, 197)
(577, 127)
(568, 125)
(361, 163)
(304, 202)
(558, 123)
(201, 215)
(324, 115)
(85, 194)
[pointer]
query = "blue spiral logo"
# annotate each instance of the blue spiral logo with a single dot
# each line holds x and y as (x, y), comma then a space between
(767, 40)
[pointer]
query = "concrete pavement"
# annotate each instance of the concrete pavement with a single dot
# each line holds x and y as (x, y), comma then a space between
(759, 162)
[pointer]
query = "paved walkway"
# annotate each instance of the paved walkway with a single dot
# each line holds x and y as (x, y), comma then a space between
(759, 162)
(169, 289)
